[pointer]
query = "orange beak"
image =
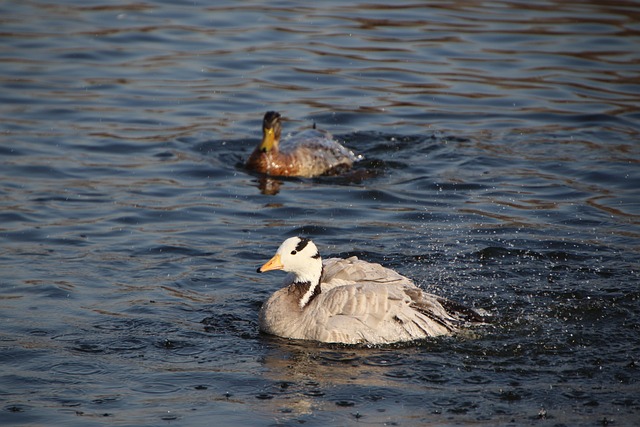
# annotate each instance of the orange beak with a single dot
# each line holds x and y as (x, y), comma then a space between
(273, 264)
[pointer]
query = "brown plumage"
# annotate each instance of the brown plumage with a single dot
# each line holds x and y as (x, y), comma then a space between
(351, 301)
(309, 153)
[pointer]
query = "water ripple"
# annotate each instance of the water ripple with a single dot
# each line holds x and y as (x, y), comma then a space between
(500, 152)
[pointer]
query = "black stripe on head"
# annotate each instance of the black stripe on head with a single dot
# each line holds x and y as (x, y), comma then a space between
(302, 243)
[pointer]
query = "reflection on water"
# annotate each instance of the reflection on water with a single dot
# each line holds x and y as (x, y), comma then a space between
(500, 147)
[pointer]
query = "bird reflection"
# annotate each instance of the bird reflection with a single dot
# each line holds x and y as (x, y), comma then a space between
(269, 186)
(308, 376)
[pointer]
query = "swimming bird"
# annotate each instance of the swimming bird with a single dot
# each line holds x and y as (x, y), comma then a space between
(351, 301)
(310, 153)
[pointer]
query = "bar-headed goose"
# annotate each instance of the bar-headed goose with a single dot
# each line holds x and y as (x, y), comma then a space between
(351, 301)
(312, 152)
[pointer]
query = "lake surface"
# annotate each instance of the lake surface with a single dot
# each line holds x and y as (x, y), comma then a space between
(501, 151)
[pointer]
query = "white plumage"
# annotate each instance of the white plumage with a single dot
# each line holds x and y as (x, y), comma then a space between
(352, 301)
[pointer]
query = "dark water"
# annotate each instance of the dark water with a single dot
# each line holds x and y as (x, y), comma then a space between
(501, 144)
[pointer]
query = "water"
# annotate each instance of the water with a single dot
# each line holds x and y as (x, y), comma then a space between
(500, 145)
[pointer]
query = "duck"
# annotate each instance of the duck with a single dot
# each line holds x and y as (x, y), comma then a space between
(307, 154)
(351, 301)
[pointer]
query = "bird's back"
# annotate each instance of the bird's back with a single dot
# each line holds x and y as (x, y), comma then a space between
(340, 272)
(317, 153)
(363, 302)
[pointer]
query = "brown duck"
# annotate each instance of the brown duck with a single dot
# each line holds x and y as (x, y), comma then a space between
(312, 152)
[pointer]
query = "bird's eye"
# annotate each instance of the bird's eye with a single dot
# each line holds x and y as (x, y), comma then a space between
(293, 252)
